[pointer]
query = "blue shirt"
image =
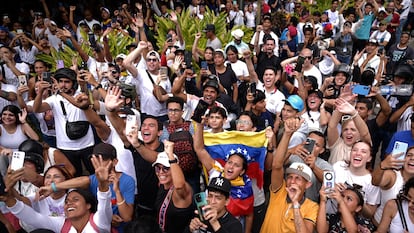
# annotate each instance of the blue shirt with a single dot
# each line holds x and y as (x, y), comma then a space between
(127, 188)
(402, 136)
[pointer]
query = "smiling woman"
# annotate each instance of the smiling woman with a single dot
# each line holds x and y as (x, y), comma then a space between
(83, 213)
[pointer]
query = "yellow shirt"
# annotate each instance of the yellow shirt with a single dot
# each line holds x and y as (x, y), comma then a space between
(280, 217)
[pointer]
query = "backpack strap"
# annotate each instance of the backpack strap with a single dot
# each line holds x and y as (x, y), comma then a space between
(66, 226)
(401, 212)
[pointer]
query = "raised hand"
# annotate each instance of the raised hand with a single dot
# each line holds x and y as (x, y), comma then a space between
(23, 115)
(113, 100)
(102, 168)
(344, 106)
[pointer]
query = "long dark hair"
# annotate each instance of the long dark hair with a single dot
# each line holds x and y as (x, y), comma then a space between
(13, 109)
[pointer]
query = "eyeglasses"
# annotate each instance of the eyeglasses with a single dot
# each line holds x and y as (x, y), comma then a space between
(152, 59)
(243, 122)
(114, 71)
(174, 110)
(159, 168)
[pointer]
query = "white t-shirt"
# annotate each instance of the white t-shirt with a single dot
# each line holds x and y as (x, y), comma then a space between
(73, 114)
(11, 78)
(240, 69)
(261, 35)
(343, 174)
(274, 99)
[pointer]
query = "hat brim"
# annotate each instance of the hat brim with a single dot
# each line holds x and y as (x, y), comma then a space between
(297, 172)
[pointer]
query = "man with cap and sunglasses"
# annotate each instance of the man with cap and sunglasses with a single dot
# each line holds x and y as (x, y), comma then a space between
(218, 219)
(147, 76)
(210, 93)
(288, 206)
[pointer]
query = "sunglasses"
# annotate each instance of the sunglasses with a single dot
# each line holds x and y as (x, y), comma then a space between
(308, 57)
(114, 71)
(159, 168)
(406, 198)
(152, 60)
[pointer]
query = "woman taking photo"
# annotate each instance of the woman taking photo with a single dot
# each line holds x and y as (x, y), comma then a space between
(347, 219)
(175, 196)
(83, 213)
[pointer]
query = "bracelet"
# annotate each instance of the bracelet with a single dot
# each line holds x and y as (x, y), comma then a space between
(355, 115)
(53, 185)
(120, 203)
(296, 206)
(98, 86)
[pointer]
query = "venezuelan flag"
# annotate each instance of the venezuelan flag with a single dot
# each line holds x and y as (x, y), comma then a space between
(251, 144)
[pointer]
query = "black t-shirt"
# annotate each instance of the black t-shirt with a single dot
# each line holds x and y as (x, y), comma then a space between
(227, 79)
(228, 223)
(264, 61)
(147, 181)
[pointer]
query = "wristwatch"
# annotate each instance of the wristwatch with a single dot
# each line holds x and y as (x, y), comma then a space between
(171, 161)
(296, 206)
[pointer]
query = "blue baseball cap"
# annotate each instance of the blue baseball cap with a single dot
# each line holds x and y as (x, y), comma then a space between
(296, 102)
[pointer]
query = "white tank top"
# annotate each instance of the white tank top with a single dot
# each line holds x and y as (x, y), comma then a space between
(389, 194)
(12, 140)
(396, 224)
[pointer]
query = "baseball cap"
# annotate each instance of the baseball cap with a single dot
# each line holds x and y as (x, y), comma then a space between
(106, 150)
(105, 9)
(121, 56)
(210, 27)
(292, 31)
(342, 68)
(153, 53)
(373, 41)
(312, 79)
(237, 34)
(162, 158)
(211, 82)
(220, 184)
(300, 169)
(296, 102)
(220, 51)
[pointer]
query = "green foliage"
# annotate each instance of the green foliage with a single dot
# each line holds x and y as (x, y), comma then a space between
(191, 25)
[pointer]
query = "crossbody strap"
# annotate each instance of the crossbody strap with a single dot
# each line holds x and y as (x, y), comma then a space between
(163, 210)
(401, 212)
(150, 77)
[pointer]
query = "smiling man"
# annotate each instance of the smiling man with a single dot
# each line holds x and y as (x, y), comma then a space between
(288, 205)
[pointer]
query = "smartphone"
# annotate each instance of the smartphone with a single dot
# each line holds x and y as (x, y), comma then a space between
(252, 88)
(83, 66)
(299, 64)
(168, 37)
(131, 123)
(60, 64)
(46, 76)
(2, 186)
(361, 90)
(309, 144)
(204, 65)
(17, 160)
(22, 80)
(92, 40)
(18, 31)
(164, 72)
(201, 201)
(400, 147)
(188, 57)
(200, 110)
(329, 180)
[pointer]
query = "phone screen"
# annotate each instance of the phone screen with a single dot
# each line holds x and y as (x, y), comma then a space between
(131, 123)
(204, 65)
(299, 64)
(22, 80)
(200, 110)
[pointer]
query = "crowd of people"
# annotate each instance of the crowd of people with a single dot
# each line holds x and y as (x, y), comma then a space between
(116, 142)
